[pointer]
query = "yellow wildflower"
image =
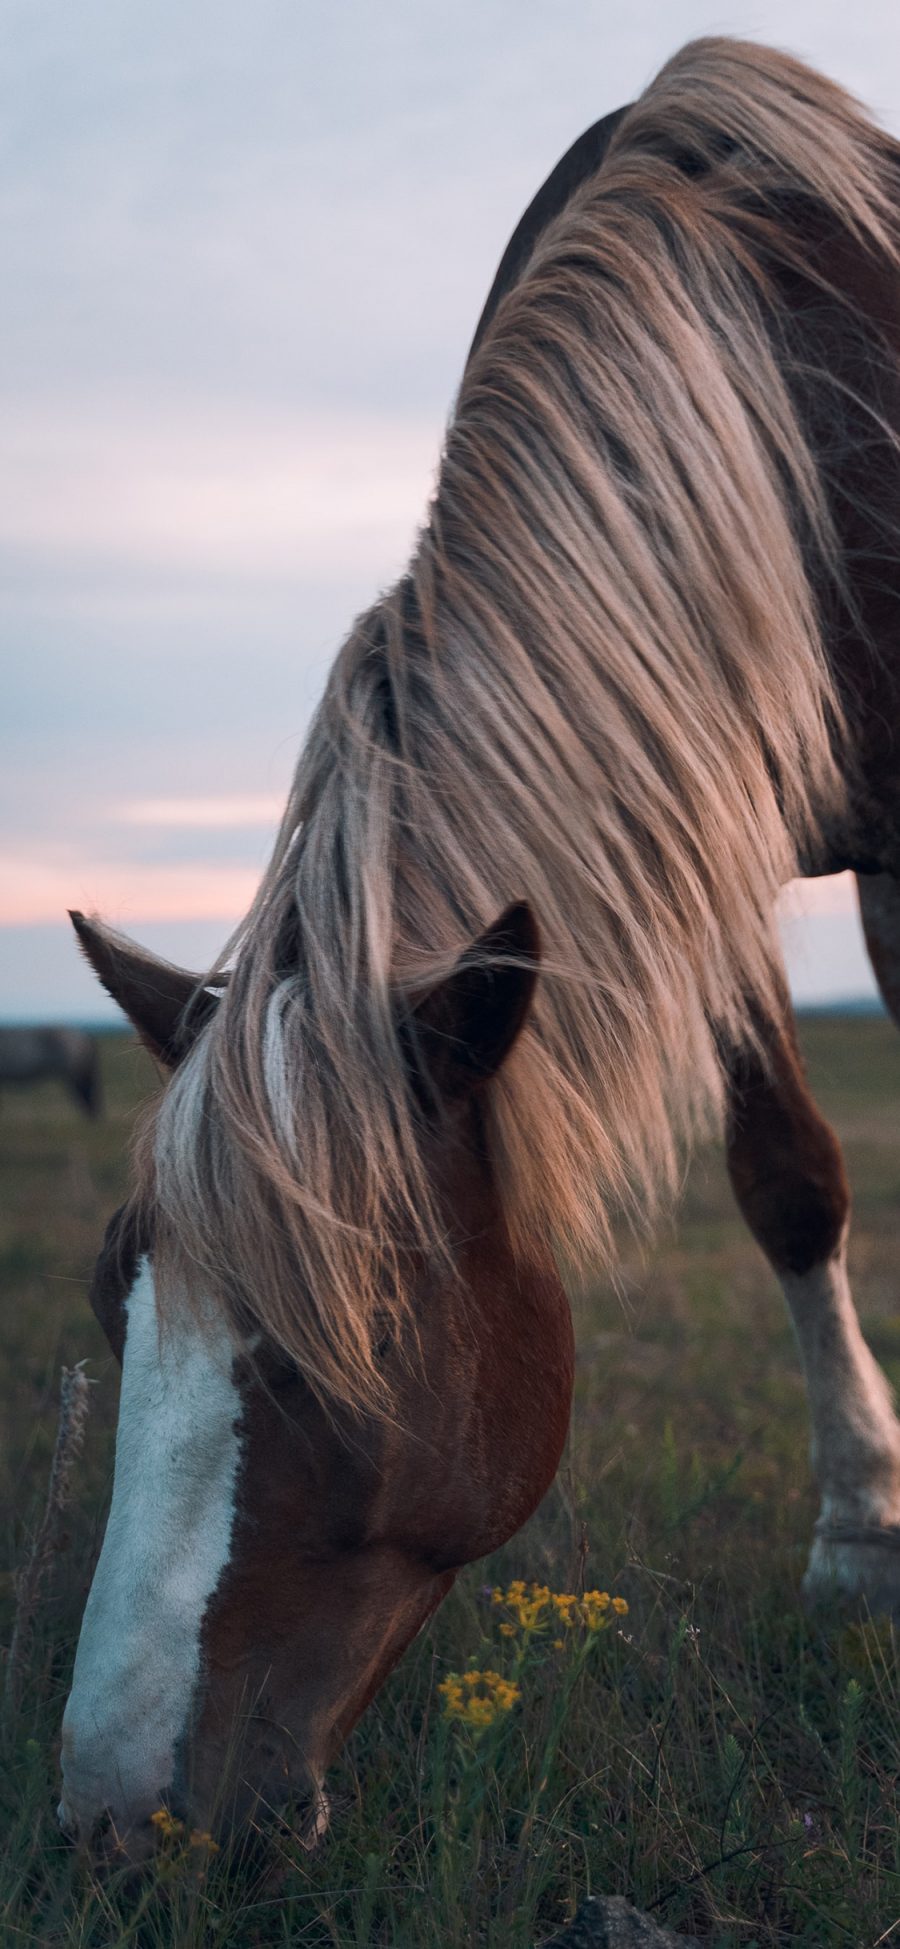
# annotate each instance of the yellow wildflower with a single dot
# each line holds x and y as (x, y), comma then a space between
(477, 1699)
(594, 1609)
(166, 1824)
(480, 1712)
(200, 1838)
(535, 1608)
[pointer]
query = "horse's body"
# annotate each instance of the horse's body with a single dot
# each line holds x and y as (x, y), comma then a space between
(31, 1055)
(644, 667)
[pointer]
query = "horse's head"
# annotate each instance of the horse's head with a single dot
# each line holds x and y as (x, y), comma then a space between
(266, 1562)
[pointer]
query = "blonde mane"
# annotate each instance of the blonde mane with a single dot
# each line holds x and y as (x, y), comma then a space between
(601, 686)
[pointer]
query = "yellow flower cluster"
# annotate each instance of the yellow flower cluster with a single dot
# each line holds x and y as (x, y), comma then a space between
(535, 1607)
(171, 1829)
(477, 1699)
(166, 1825)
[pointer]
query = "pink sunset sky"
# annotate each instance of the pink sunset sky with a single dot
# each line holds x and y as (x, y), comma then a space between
(244, 252)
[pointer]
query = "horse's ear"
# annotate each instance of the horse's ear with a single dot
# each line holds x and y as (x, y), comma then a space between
(460, 1033)
(153, 994)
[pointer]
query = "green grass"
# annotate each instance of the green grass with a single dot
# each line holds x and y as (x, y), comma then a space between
(718, 1757)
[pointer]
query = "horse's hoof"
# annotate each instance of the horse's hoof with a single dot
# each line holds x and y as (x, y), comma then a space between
(854, 1568)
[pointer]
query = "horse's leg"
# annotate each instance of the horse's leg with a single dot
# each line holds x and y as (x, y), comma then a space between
(879, 902)
(84, 1077)
(788, 1176)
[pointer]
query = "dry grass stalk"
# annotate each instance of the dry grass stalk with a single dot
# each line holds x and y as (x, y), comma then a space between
(74, 1406)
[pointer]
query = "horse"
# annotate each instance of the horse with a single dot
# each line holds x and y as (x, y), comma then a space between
(29, 1055)
(515, 949)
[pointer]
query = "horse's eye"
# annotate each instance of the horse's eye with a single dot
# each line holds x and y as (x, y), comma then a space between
(280, 1374)
(272, 1369)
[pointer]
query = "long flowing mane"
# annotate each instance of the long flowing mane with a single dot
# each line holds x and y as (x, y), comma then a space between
(600, 685)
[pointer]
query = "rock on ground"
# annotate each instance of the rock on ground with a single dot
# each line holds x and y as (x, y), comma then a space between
(608, 1922)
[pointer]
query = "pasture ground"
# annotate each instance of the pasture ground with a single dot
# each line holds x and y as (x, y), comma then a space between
(714, 1755)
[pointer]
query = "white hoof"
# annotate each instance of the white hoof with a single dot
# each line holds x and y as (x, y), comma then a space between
(314, 1827)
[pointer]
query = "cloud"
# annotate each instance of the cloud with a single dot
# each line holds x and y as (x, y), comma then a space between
(204, 814)
(124, 892)
(229, 491)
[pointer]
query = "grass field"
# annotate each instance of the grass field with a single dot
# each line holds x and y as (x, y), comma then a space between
(713, 1755)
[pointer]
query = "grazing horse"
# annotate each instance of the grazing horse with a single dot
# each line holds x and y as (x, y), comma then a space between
(31, 1055)
(515, 945)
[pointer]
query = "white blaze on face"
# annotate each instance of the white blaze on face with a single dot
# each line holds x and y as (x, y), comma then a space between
(167, 1543)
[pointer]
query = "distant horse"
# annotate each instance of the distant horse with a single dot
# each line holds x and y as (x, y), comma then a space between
(642, 669)
(30, 1055)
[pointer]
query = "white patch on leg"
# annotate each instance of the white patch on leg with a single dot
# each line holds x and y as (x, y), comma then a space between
(855, 1441)
(167, 1542)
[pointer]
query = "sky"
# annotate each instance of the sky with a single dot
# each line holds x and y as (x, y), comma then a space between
(244, 251)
